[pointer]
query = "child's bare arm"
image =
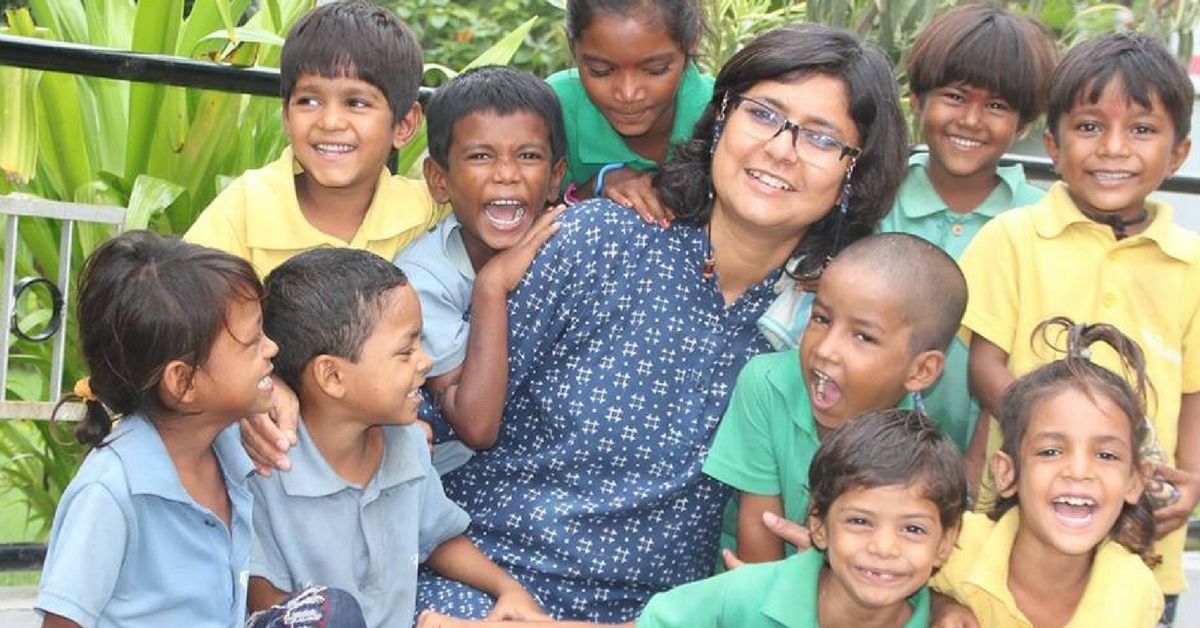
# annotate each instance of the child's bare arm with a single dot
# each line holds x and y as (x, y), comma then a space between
(471, 397)
(458, 559)
(260, 594)
(50, 620)
(1185, 475)
(755, 542)
(988, 373)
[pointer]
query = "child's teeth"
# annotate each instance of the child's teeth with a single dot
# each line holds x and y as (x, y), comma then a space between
(821, 387)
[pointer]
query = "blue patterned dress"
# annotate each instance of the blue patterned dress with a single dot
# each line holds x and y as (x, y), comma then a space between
(622, 358)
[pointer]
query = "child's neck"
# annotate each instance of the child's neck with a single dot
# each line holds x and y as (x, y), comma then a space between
(188, 440)
(335, 211)
(836, 609)
(962, 195)
(1046, 585)
(353, 449)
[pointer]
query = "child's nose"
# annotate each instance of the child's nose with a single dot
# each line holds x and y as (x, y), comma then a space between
(270, 349)
(628, 87)
(332, 116)
(884, 542)
(1114, 142)
(506, 169)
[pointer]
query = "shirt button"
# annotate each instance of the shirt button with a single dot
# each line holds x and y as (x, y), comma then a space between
(957, 229)
(1109, 299)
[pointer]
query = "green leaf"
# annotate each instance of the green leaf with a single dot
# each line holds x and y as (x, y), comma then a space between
(1057, 13)
(66, 18)
(208, 16)
(150, 197)
(502, 51)
(156, 29)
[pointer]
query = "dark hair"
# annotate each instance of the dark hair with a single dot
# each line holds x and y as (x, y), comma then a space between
(790, 53)
(492, 89)
(325, 302)
(146, 300)
(1141, 63)
(933, 288)
(683, 19)
(1134, 527)
(358, 40)
(987, 47)
(893, 447)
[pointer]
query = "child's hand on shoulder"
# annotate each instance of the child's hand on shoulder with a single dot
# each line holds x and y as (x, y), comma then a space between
(506, 269)
(633, 189)
(516, 604)
(1170, 518)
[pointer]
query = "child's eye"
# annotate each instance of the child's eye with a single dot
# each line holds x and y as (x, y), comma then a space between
(478, 156)
(999, 105)
(658, 70)
(304, 101)
(357, 103)
(1047, 452)
(914, 529)
(867, 338)
(530, 156)
(952, 96)
(1143, 129)
(1087, 127)
(857, 521)
(598, 72)
(818, 318)
(1109, 455)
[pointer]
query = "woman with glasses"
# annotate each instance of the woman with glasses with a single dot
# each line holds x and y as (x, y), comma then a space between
(626, 339)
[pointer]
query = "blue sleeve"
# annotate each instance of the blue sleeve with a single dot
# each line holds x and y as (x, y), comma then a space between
(440, 518)
(266, 559)
(87, 550)
(443, 313)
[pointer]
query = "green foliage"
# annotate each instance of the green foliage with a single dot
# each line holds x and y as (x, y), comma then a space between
(453, 32)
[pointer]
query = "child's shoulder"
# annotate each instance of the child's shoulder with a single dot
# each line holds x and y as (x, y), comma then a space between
(775, 364)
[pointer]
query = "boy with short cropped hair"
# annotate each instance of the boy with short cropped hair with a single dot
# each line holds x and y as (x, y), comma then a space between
(361, 507)
(496, 155)
(350, 74)
(979, 76)
(885, 310)
(1097, 249)
(888, 493)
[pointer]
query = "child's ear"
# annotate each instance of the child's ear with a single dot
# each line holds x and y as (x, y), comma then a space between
(1180, 153)
(1004, 472)
(326, 372)
(949, 536)
(556, 175)
(435, 180)
(1137, 481)
(407, 126)
(1051, 147)
(817, 532)
(176, 385)
(924, 369)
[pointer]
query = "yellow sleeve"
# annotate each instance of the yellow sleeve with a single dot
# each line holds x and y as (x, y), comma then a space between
(222, 225)
(991, 265)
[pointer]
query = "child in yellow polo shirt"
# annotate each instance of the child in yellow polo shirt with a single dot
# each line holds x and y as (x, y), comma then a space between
(1069, 539)
(350, 74)
(1096, 249)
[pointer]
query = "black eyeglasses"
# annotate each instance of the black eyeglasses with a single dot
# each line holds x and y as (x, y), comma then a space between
(762, 122)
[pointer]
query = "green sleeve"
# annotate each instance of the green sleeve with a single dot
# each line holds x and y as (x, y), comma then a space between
(742, 454)
(698, 604)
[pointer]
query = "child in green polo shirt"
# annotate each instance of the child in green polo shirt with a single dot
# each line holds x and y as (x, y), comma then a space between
(635, 92)
(979, 77)
(888, 492)
(885, 310)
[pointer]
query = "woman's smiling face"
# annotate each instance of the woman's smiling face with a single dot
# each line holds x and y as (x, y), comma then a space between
(767, 183)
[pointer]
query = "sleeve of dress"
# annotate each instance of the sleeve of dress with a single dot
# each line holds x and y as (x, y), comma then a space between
(991, 265)
(741, 454)
(699, 604)
(83, 562)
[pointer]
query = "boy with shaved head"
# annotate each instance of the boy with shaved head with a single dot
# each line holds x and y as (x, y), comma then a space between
(885, 311)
